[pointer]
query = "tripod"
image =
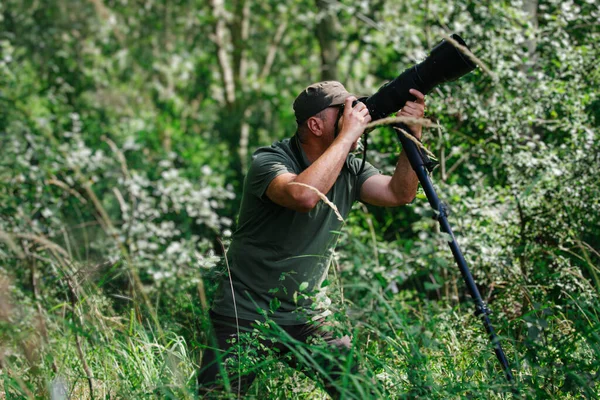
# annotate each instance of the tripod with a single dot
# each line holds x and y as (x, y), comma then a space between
(421, 164)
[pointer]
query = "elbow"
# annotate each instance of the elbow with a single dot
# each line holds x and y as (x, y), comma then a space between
(408, 199)
(306, 203)
(403, 199)
(304, 200)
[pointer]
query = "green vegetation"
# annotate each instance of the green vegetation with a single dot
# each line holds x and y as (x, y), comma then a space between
(125, 131)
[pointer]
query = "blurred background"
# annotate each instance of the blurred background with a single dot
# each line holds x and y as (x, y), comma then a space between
(126, 127)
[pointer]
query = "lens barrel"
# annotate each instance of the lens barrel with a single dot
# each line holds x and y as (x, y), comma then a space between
(445, 63)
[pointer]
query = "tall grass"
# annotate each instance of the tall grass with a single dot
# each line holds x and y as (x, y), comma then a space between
(72, 326)
(406, 347)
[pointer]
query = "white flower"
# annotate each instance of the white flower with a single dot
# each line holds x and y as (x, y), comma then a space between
(174, 248)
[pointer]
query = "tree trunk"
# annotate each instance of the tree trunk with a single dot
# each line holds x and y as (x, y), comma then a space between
(530, 7)
(327, 33)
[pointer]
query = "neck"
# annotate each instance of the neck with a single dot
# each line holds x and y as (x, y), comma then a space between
(313, 149)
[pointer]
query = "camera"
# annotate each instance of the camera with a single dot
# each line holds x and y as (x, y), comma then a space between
(445, 63)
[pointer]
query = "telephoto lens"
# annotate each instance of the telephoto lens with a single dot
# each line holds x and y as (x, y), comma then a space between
(445, 63)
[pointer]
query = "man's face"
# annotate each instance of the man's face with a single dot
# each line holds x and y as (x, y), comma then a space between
(329, 116)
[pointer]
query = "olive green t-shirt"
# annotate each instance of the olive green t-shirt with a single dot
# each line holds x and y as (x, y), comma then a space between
(279, 258)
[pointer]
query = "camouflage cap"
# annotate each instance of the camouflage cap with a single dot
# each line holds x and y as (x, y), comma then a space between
(317, 97)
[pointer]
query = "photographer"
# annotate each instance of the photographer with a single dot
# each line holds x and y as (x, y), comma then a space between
(280, 253)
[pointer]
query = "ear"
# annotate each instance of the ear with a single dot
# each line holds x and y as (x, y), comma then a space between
(315, 125)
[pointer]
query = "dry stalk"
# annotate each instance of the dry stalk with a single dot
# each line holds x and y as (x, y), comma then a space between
(6, 306)
(5, 237)
(120, 156)
(81, 354)
(57, 252)
(470, 56)
(427, 123)
(44, 242)
(121, 200)
(237, 322)
(202, 296)
(372, 231)
(322, 197)
(106, 222)
(66, 187)
(416, 142)
(36, 298)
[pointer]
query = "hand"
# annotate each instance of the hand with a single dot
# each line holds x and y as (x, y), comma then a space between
(414, 109)
(354, 120)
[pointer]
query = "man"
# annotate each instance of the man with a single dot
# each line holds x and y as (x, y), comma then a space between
(280, 253)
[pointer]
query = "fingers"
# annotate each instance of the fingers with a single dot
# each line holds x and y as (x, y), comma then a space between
(420, 96)
(348, 104)
(413, 109)
(360, 109)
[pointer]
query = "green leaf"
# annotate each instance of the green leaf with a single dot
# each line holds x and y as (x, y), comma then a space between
(432, 286)
(274, 304)
(303, 286)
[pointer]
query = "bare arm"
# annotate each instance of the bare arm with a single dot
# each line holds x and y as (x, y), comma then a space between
(401, 187)
(324, 171)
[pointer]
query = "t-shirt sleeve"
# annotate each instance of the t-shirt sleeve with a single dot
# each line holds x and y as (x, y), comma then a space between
(264, 168)
(354, 164)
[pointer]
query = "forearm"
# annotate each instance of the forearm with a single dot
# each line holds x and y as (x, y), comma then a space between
(328, 162)
(404, 182)
(401, 187)
(324, 171)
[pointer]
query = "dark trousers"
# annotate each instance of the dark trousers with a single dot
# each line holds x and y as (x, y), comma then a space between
(229, 354)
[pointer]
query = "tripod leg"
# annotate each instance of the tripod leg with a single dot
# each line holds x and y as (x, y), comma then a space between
(482, 311)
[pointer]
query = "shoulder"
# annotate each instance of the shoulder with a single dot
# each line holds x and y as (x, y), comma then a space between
(281, 147)
(279, 152)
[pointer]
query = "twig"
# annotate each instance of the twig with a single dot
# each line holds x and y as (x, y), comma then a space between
(121, 201)
(470, 55)
(273, 51)
(66, 187)
(120, 156)
(45, 242)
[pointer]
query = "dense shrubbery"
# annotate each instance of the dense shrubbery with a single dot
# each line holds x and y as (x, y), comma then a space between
(120, 168)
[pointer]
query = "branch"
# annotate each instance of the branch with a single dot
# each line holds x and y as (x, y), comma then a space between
(64, 186)
(239, 34)
(273, 51)
(219, 38)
